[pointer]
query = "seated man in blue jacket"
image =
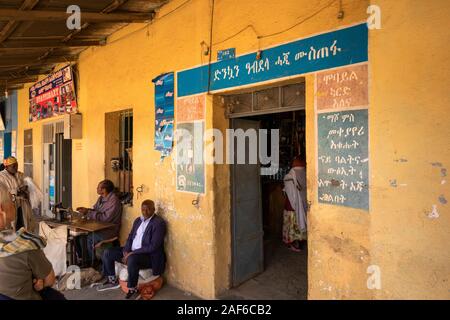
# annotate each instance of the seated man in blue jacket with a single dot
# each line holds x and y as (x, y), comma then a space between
(144, 249)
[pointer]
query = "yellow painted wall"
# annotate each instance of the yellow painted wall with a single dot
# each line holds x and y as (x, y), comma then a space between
(409, 157)
(410, 104)
(407, 120)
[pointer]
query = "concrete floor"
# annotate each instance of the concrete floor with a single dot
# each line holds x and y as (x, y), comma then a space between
(167, 292)
(284, 278)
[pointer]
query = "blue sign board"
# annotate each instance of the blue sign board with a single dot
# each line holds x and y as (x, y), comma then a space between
(164, 113)
(226, 54)
(324, 51)
(343, 158)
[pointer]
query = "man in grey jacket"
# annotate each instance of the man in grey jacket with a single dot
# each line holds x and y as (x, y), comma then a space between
(108, 208)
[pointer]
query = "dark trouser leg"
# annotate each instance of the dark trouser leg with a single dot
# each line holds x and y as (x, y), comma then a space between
(135, 263)
(92, 240)
(79, 246)
(19, 219)
(51, 294)
(110, 256)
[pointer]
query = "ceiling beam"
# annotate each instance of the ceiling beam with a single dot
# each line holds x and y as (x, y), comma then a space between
(10, 76)
(14, 37)
(15, 87)
(19, 62)
(13, 44)
(27, 76)
(5, 70)
(43, 15)
(12, 81)
(12, 24)
(111, 7)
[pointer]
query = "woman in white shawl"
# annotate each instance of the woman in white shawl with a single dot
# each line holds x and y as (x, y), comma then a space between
(294, 216)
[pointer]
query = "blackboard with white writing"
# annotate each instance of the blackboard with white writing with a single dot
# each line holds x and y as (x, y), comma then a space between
(343, 158)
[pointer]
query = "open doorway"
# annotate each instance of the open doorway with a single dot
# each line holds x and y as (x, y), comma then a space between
(57, 168)
(263, 267)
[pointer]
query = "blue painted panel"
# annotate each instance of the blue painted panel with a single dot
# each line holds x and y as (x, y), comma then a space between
(6, 144)
(51, 190)
(343, 158)
(324, 51)
(14, 111)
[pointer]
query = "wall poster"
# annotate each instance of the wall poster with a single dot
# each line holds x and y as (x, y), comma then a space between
(164, 113)
(190, 162)
(53, 96)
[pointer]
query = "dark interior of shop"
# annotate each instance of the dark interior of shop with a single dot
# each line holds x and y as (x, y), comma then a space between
(284, 269)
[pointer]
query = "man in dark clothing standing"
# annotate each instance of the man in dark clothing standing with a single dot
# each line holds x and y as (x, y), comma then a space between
(144, 249)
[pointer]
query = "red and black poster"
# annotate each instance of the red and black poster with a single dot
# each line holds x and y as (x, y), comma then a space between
(52, 96)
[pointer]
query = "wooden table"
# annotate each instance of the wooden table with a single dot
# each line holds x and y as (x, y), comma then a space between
(78, 224)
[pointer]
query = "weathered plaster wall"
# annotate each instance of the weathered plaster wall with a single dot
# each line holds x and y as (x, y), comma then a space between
(337, 255)
(118, 76)
(337, 251)
(338, 237)
(410, 149)
(408, 120)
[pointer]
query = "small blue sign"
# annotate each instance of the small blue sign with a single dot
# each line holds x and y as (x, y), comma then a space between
(226, 54)
(325, 51)
(51, 190)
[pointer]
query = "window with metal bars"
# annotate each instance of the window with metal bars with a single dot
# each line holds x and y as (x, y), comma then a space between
(119, 152)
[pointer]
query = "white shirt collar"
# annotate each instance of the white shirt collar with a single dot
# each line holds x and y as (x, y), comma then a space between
(148, 220)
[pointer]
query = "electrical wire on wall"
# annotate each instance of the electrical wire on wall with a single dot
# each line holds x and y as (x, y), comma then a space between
(259, 37)
(138, 30)
(150, 23)
(250, 26)
(301, 21)
(210, 45)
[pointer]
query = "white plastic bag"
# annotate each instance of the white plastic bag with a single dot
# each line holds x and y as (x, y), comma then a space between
(35, 193)
(55, 251)
(145, 275)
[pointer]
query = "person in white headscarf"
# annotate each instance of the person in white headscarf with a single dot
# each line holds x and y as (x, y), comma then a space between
(15, 182)
(294, 216)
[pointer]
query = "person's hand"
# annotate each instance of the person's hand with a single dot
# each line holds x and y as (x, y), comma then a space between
(22, 191)
(126, 255)
(38, 284)
(83, 210)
